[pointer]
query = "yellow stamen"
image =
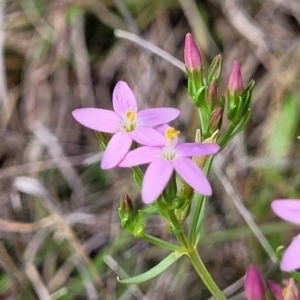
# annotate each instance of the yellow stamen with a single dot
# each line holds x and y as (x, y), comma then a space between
(130, 115)
(171, 134)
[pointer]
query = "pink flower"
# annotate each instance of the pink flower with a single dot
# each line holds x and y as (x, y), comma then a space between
(289, 292)
(192, 56)
(235, 84)
(289, 210)
(254, 284)
(166, 157)
(125, 122)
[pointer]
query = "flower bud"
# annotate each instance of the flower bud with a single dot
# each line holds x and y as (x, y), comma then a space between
(276, 290)
(216, 119)
(254, 284)
(212, 95)
(126, 204)
(235, 84)
(126, 211)
(192, 56)
(214, 71)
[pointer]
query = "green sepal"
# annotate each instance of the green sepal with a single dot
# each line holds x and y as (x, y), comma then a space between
(170, 191)
(138, 177)
(199, 97)
(155, 271)
(239, 112)
(295, 275)
(249, 87)
(103, 139)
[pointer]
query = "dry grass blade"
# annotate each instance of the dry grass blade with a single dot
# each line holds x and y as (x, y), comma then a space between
(199, 28)
(36, 281)
(243, 211)
(150, 47)
(3, 87)
(120, 272)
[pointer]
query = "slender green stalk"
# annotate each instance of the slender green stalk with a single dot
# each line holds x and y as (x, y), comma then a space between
(193, 234)
(204, 274)
(195, 214)
(227, 135)
(160, 243)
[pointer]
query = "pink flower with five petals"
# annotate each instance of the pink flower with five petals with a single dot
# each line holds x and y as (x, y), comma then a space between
(166, 157)
(125, 122)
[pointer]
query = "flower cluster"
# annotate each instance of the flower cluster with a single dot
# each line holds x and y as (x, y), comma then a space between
(159, 146)
(255, 287)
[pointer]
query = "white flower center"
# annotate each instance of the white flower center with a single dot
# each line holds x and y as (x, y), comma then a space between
(168, 152)
(129, 121)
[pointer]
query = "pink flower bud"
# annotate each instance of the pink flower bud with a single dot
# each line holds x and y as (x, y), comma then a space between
(276, 290)
(192, 56)
(254, 284)
(235, 84)
(126, 204)
(212, 94)
(216, 119)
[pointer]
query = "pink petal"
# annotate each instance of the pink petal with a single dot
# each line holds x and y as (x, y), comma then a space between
(148, 136)
(98, 119)
(276, 290)
(194, 149)
(123, 98)
(157, 116)
(139, 156)
(162, 128)
(291, 258)
(116, 149)
(192, 174)
(155, 180)
(287, 209)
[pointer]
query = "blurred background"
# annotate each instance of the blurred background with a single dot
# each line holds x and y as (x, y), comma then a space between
(60, 236)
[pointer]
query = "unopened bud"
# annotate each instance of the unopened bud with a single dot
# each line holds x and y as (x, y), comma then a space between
(126, 211)
(126, 204)
(254, 284)
(216, 119)
(235, 84)
(276, 290)
(212, 95)
(214, 71)
(192, 55)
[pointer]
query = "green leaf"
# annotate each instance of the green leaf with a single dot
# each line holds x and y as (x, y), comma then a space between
(155, 271)
(284, 129)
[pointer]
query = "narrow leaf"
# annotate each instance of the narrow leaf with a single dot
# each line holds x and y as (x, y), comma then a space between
(155, 271)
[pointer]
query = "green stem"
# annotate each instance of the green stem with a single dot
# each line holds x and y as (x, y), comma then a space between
(204, 274)
(226, 136)
(160, 243)
(193, 234)
(196, 210)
